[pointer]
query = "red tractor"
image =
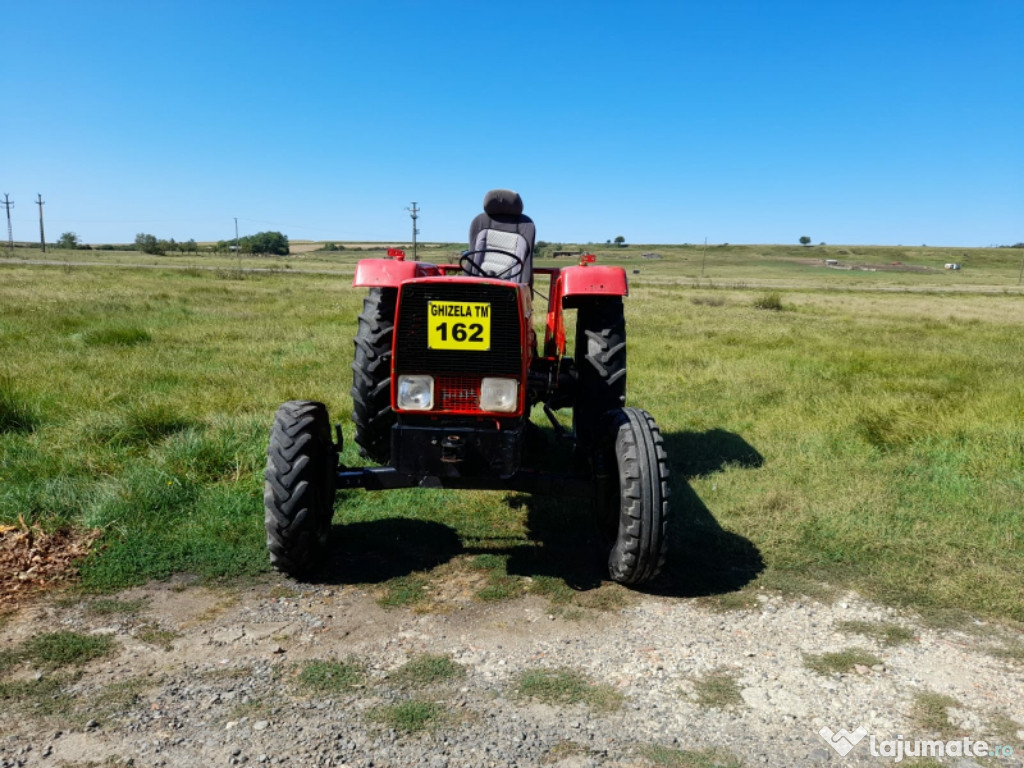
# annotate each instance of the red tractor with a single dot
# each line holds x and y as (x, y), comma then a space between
(447, 369)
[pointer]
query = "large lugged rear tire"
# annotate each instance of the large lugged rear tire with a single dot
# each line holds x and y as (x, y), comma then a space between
(371, 375)
(298, 497)
(632, 487)
(600, 363)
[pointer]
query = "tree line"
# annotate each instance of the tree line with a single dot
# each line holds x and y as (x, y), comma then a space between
(262, 244)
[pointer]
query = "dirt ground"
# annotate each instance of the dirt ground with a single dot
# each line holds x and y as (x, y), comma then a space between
(203, 675)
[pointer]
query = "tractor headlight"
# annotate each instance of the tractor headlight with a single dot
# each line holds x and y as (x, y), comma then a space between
(499, 395)
(415, 393)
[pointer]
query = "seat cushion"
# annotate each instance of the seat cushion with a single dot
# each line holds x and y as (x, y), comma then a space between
(496, 264)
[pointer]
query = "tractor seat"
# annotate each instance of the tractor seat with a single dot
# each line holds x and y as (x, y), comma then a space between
(502, 226)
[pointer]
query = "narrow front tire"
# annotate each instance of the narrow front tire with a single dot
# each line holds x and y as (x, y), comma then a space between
(632, 495)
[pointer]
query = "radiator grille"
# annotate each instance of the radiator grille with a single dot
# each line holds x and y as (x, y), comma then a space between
(504, 358)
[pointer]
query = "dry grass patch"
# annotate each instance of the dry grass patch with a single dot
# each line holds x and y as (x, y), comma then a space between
(667, 757)
(884, 632)
(1011, 652)
(410, 716)
(930, 712)
(404, 591)
(840, 662)
(153, 634)
(566, 686)
(427, 669)
(54, 650)
(332, 676)
(112, 606)
(38, 698)
(718, 690)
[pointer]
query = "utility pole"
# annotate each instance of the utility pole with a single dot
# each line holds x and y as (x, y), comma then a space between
(42, 234)
(10, 235)
(414, 213)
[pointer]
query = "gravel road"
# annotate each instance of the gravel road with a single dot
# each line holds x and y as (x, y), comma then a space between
(211, 677)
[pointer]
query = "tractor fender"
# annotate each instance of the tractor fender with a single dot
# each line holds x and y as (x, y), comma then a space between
(390, 273)
(581, 281)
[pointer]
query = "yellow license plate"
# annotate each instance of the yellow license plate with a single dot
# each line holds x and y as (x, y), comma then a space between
(464, 325)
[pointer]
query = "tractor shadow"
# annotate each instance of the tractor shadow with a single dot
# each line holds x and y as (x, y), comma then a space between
(376, 551)
(703, 558)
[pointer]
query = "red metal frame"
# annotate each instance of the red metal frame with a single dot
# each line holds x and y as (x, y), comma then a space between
(390, 273)
(571, 282)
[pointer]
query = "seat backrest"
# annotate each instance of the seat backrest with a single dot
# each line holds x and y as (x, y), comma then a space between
(502, 226)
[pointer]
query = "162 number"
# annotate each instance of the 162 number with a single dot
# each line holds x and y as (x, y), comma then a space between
(472, 332)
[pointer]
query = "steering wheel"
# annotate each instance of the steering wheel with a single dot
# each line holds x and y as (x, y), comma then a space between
(471, 268)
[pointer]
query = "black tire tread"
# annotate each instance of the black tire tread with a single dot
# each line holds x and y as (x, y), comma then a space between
(601, 364)
(371, 375)
(298, 496)
(640, 548)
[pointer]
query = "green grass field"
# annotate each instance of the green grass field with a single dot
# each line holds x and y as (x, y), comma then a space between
(865, 433)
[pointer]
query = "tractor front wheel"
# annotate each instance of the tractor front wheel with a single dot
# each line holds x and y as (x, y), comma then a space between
(632, 495)
(298, 497)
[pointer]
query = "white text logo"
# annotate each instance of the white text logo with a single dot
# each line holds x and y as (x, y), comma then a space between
(843, 741)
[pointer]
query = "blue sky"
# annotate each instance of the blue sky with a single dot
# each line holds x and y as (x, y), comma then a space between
(890, 122)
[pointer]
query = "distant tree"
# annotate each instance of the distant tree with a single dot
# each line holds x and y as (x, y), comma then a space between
(805, 240)
(190, 246)
(68, 240)
(273, 243)
(149, 244)
(620, 241)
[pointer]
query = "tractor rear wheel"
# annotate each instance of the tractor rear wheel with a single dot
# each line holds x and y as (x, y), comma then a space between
(371, 375)
(600, 363)
(298, 497)
(632, 495)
